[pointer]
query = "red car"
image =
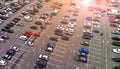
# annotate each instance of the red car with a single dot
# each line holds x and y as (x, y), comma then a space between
(113, 24)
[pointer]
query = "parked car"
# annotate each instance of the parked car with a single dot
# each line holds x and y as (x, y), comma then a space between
(65, 38)
(40, 62)
(116, 43)
(84, 43)
(49, 47)
(116, 51)
(86, 37)
(115, 38)
(116, 59)
(10, 52)
(54, 39)
(23, 37)
(14, 48)
(44, 57)
(113, 24)
(115, 32)
(1, 32)
(6, 56)
(29, 43)
(3, 63)
(116, 67)
(5, 37)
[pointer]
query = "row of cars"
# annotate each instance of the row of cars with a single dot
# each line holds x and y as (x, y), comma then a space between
(9, 9)
(113, 16)
(93, 25)
(8, 55)
(42, 60)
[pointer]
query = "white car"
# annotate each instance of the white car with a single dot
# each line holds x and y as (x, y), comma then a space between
(95, 23)
(29, 43)
(71, 25)
(61, 27)
(87, 24)
(116, 51)
(43, 57)
(69, 30)
(96, 26)
(14, 48)
(78, 68)
(1, 21)
(87, 31)
(3, 63)
(23, 37)
(118, 29)
(2, 40)
(28, 18)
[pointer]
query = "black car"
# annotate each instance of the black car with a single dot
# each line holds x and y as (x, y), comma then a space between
(4, 29)
(116, 67)
(39, 67)
(10, 31)
(10, 25)
(116, 43)
(65, 38)
(58, 33)
(116, 59)
(5, 37)
(41, 62)
(115, 38)
(54, 39)
(88, 34)
(86, 37)
(7, 27)
(10, 52)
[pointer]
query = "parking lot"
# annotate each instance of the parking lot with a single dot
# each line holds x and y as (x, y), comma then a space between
(38, 31)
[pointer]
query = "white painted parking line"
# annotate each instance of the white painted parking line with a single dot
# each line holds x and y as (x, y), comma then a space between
(98, 62)
(63, 48)
(14, 63)
(62, 43)
(17, 58)
(99, 58)
(7, 67)
(34, 54)
(96, 39)
(95, 49)
(99, 53)
(56, 50)
(25, 50)
(94, 66)
(54, 65)
(96, 42)
(57, 55)
(96, 45)
(56, 60)
(28, 64)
